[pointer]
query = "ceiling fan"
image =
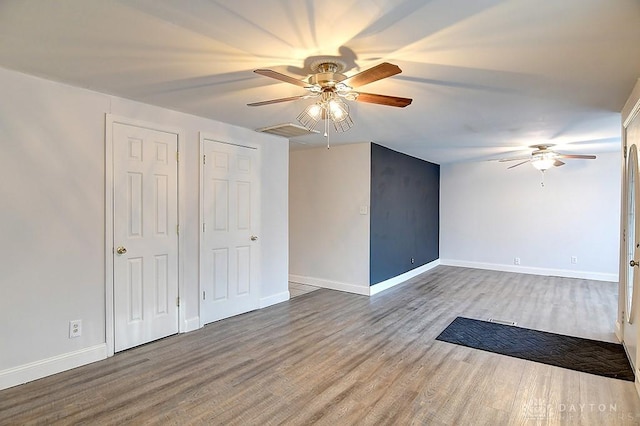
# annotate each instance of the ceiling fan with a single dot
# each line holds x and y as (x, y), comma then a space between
(332, 87)
(543, 158)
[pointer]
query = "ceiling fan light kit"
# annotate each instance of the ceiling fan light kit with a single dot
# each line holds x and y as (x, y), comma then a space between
(544, 162)
(334, 89)
(331, 107)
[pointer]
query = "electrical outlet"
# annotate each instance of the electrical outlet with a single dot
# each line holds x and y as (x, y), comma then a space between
(75, 328)
(516, 260)
(574, 259)
(413, 261)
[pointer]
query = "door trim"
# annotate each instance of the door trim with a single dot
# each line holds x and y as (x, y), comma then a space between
(629, 305)
(629, 112)
(110, 120)
(211, 137)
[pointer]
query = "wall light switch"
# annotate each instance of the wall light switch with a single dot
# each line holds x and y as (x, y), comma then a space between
(364, 210)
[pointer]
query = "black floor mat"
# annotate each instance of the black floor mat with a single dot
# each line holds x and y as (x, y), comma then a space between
(585, 355)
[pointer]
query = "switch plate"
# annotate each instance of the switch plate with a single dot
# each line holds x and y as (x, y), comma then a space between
(364, 210)
(574, 259)
(75, 328)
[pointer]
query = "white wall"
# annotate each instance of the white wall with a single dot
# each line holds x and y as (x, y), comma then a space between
(274, 232)
(490, 215)
(52, 220)
(328, 237)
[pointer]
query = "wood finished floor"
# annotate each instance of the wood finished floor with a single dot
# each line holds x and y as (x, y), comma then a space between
(334, 358)
(297, 289)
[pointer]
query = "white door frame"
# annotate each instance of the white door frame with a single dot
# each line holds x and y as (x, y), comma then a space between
(210, 137)
(108, 248)
(630, 112)
(630, 327)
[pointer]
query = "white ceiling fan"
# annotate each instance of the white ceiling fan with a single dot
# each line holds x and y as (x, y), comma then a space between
(332, 88)
(543, 158)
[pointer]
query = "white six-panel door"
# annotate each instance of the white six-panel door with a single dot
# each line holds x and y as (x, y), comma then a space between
(230, 244)
(145, 240)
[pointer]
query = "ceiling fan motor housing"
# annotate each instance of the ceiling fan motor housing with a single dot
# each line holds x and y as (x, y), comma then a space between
(541, 149)
(327, 75)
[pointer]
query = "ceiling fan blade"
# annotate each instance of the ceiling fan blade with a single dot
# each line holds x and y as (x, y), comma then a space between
(376, 73)
(282, 77)
(275, 101)
(503, 160)
(580, 156)
(519, 164)
(384, 100)
(558, 163)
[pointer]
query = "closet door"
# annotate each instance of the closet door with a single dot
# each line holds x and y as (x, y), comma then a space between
(230, 243)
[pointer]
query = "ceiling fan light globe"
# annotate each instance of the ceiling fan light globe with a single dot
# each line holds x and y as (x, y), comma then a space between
(338, 110)
(343, 125)
(314, 111)
(310, 117)
(543, 164)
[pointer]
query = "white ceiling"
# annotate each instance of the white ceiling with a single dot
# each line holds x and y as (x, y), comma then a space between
(487, 77)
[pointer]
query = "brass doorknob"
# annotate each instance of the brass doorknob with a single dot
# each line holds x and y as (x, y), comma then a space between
(254, 238)
(633, 263)
(121, 250)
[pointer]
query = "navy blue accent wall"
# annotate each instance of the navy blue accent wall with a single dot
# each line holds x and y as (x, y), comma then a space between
(405, 213)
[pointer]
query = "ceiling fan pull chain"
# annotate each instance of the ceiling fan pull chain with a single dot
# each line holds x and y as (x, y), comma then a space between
(542, 183)
(326, 132)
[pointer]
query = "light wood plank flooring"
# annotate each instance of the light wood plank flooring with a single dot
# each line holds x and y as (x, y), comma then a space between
(297, 289)
(334, 358)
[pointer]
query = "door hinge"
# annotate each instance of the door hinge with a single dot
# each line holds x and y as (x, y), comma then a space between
(178, 156)
(204, 295)
(178, 229)
(204, 159)
(177, 301)
(204, 227)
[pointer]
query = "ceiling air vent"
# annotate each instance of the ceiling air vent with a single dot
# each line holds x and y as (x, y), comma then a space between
(288, 130)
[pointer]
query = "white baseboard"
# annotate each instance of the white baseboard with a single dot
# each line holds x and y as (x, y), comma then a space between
(391, 282)
(274, 299)
(191, 324)
(333, 285)
(46, 367)
(358, 289)
(566, 273)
